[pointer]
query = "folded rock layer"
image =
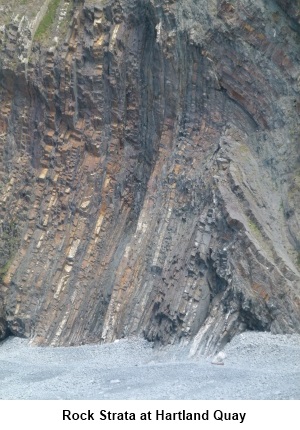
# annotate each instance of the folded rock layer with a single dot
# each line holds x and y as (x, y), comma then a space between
(150, 170)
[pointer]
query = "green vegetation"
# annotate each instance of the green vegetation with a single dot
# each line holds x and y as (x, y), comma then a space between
(298, 259)
(48, 19)
(4, 269)
(256, 232)
(254, 227)
(244, 149)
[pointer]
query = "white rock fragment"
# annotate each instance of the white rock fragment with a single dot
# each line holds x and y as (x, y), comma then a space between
(73, 249)
(85, 204)
(43, 174)
(68, 268)
(219, 358)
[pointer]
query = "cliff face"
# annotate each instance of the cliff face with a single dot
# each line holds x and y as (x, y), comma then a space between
(150, 170)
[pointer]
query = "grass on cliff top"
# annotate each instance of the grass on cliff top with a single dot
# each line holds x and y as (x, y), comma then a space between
(48, 19)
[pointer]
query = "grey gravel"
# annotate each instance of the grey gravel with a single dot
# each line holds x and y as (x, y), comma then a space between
(256, 366)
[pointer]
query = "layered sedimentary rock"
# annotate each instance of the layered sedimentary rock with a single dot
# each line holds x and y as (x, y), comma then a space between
(150, 170)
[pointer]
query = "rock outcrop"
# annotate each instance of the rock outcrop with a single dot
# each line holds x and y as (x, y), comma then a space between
(150, 170)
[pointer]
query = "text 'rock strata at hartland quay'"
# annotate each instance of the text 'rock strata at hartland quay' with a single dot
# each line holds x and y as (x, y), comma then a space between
(149, 170)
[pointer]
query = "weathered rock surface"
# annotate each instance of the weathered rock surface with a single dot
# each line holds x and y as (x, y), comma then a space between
(150, 170)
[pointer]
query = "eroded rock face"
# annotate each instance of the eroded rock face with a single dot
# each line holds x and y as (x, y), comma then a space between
(150, 172)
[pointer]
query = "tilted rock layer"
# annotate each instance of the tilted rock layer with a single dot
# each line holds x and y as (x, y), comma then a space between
(150, 170)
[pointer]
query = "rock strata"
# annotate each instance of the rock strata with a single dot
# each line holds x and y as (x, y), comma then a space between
(150, 170)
